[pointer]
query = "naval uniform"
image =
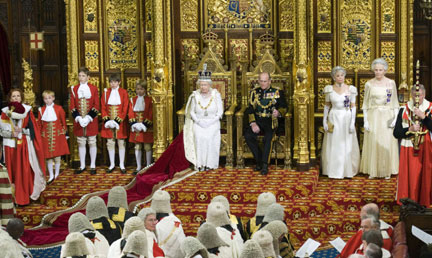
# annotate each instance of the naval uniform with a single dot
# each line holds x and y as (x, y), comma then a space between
(260, 109)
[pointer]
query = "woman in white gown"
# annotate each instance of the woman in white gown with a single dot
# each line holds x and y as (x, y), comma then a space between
(202, 137)
(380, 154)
(340, 155)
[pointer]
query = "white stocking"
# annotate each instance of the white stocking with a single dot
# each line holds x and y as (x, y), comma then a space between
(148, 157)
(122, 158)
(82, 156)
(138, 155)
(57, 169)
(111, 154)
(93, 152)
(50, 169)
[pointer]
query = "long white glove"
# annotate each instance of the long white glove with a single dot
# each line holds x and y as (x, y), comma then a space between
(365, 120)
(353, 118)
(325, 115)
(143, 127)
(396, 112)
(135, 127)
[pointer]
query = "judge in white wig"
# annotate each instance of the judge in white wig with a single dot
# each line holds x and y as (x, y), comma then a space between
(169, 230)
(217, 216)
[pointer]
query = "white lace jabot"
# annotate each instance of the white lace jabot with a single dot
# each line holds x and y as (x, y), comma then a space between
(114, 98)
(139, 104)
(84, 91)
(49, 115)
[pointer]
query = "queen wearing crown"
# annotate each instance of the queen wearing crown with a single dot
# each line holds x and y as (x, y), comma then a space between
(202, 137)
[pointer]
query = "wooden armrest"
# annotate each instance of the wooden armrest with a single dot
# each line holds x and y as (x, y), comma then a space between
(231, 110)
(182, 111)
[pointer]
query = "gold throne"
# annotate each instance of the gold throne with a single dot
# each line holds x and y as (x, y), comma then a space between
(224, 81)
(281, 147)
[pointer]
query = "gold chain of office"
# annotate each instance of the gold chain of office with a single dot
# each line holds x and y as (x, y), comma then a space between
(208, 105)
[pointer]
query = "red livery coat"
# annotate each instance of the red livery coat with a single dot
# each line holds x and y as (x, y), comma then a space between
(117, 113)
(90, 104)
(53, 133)
(145, 117)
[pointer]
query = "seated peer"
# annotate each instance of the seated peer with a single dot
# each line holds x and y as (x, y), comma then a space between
(373, 251)
(374, 236)
(355, 241)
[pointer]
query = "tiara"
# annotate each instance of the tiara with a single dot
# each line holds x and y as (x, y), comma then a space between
(204, 75)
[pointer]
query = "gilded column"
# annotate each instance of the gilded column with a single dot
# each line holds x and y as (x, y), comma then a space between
(311, 91)
(160, 82)
(403, 37)
(73, 64)
(170, 95)
(301, 90)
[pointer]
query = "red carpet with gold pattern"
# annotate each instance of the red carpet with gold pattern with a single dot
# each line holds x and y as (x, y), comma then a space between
(316, 207)
(67, 190)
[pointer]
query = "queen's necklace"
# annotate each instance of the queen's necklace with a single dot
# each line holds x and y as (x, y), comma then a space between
(205, 108)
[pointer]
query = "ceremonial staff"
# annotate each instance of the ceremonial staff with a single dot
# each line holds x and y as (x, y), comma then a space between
(416, 139)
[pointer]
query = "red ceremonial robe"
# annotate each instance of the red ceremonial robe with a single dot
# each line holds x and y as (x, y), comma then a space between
(89, 107)
(355, 242)
(54, 133)
(145, 117)
(17, 157)
(117, 113)
(414, 180)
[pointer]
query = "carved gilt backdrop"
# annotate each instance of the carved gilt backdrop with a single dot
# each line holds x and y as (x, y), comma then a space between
(109, 36)
(238, 24)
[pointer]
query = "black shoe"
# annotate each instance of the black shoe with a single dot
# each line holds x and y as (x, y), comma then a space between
(264, 170)
(123, 171)
(258, 167)
(79, 171)
(135, 172)
(92, 171)
(50, 181)
(110, 170)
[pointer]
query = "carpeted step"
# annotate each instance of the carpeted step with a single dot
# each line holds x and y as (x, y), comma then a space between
(67, 190)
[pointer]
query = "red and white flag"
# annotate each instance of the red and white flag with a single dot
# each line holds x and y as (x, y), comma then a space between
(36, 40)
